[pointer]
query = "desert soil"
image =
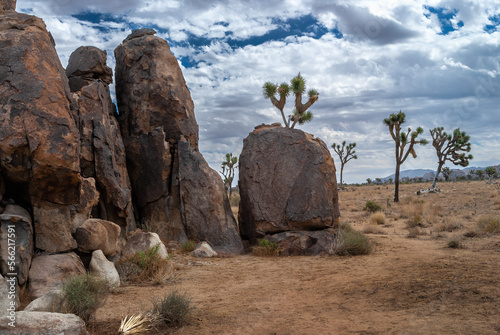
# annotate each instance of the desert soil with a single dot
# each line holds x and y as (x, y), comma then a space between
(412, 283)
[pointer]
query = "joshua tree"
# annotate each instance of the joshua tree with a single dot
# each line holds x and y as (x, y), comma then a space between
(368, 181)
(298, 87)
(491, 172)
(450, 147)
(394, 122)
(446, 173)
(228, 167)
(480, 174)
(346, 153)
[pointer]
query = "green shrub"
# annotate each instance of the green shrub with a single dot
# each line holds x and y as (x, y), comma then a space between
(189, 246)
(145, 259)
(265, 247)
(146, 266)
(489, 224)
(455, 242)
(83, 295)
(372, 206)
(351, 242)
(173, 309)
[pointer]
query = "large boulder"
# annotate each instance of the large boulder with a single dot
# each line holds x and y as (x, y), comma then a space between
(39, 140)
(49, 271)
(42, 323)
(175, 190)
(102, 154)
(104, 269)
(97, 234)
(143, 241)
(16, 230)
(287, 183)
(7, 5)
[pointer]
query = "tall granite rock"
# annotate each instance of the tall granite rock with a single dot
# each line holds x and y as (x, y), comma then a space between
(102, 154)
(173, 185)
(287, 184)
(39, 141)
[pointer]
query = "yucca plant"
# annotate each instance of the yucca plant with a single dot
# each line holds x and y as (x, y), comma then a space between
(135, 324)
(297, 85)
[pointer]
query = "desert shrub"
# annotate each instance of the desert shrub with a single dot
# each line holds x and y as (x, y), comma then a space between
(83, 295)
(189, 245)
(414, 221)
(455, 242)
(351, 242)
(449, 225)
(371, 229)
(265, 247)
(378, 218)
(146, 266)
(489, 224)
(372, 206)
(413, 232)
(173, 309)
(146, 259)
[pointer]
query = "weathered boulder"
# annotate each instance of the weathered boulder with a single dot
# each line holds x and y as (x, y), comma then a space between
(43, 323)
(49, 302)
(39, 151)
(7, 5)
(16, 238)
(161, 139)
(203, 250)
(143, 241)
(287, 183)
(48, 272)
(97, 234)
(151, 91)
(295, 243)
(85, 65)
(89, 197)
(102, 153)
(104, 269)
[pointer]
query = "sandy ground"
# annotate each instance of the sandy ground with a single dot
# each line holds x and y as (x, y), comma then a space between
(408, 285)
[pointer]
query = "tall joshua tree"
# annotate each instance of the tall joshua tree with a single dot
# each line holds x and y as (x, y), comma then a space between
(228, 167)
(450, 147)
(346, 153)
(298, 87)
(394, 122)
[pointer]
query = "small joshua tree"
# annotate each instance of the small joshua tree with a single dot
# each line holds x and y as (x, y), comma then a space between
(450, 147)
(401, 139)
(298, 87)
(446, 173)
(480, 174)
(346, 153)
(228, 167)
(491, 172)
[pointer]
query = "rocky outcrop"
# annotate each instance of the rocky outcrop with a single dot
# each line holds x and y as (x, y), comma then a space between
(39, 151)
(16, 231)
(287, 183)
(7, 5)
(43, 323)
(97, 234)
(174, 187)
(102, 154)
(48, 272)
(104, 269)
(299, 243)
(143, 241)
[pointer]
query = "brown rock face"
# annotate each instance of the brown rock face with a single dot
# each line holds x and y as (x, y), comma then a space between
(287, 183)
(39, 141)
(7, 5)
(102, 154)
(305, 243)
(174, 188)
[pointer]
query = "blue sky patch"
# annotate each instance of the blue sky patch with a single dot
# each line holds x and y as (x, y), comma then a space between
(444, 16)
(491, 28)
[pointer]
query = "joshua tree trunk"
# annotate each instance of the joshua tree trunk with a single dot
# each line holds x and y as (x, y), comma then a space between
(437, 174)
(341, 171)
(396, 184)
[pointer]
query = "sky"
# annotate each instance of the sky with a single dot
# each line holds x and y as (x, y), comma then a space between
(437, 61)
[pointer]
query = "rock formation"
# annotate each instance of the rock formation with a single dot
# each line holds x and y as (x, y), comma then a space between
(287, 183)
(174, 187)
(43, 323)
(102, 154)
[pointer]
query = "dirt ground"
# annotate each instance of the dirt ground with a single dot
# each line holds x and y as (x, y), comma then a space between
(412, 283)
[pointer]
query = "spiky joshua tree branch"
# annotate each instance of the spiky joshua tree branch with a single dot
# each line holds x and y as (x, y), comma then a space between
(450, 147)
(345, 153)
(297, 85)
(401, 139)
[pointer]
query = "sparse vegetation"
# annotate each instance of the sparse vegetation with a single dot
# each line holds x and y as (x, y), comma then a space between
(266, 248)
(351, 242)
(489, 224)
(455, 242)
(83, 295)
(173, 309)
(228, 167)
(378, 218)
(189, 246)
(414, 221)
(135, 324)
(372, 206)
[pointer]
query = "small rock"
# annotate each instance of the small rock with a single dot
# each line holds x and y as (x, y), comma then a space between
(203, 250)
(104, 269)
(43, 323)
(46, 303)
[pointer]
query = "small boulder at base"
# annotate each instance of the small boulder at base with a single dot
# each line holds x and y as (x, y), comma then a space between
(104, 269)
(287, 183)
(46, 303)
(298, 243)
(143, 241)
(97, 234)
(43, 323)
(203, 250)
(48, 272)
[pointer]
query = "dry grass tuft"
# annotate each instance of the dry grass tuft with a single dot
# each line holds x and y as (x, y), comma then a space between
(266, 248)
(450, 224)
(488, 224)
(371, 229)
(414, 232)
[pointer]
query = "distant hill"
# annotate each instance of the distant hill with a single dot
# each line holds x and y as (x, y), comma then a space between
(428, 174)
(410, 174)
